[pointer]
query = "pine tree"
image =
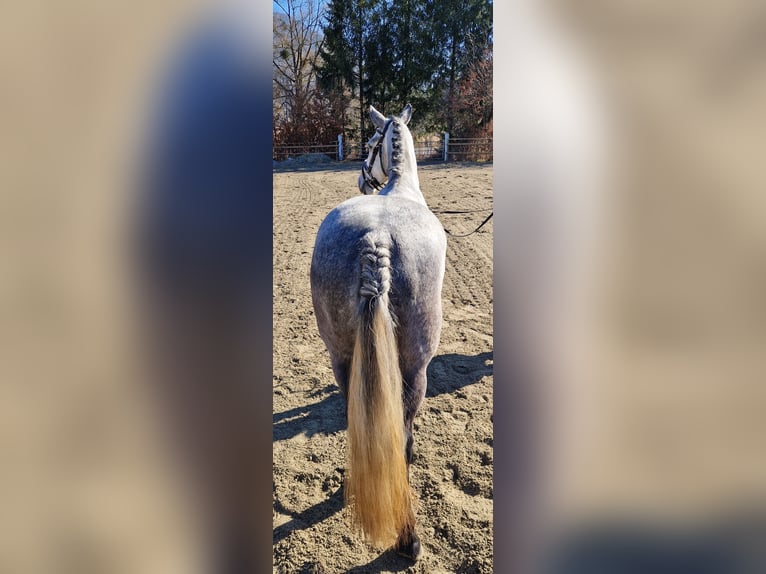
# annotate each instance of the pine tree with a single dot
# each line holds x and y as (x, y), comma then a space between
(389, 53)
(464, 28)
(344, 55)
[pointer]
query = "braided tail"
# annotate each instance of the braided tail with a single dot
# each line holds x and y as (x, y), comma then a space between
(377, 487)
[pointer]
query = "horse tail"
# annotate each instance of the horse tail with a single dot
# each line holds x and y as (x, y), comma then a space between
(377, 485)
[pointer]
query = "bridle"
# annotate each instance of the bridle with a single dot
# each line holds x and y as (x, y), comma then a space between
(370, 179)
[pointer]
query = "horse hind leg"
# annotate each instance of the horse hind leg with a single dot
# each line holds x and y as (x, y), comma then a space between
(408, 543)
(340, 369)
(410, 446)
(415, 391)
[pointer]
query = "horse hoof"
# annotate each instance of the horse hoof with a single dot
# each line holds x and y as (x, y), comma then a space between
(409, 548)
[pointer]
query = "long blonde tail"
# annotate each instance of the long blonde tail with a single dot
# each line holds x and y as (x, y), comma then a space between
(377, 487)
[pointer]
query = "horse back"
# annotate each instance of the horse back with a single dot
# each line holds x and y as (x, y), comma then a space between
(417, 245)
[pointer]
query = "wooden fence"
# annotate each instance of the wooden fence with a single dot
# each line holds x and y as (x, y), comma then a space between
(283, 152)
(469, 149)
(426, 148)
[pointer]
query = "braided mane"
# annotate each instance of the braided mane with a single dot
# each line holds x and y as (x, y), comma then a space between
(396, 148)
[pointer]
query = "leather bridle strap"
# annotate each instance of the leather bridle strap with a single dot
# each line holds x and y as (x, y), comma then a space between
(370, 179)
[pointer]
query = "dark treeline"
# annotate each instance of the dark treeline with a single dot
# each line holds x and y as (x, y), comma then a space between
(332, 60)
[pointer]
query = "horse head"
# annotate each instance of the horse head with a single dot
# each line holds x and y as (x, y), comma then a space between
(377, 167)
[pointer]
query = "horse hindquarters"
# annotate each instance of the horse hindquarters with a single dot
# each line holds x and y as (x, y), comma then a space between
(377, 486)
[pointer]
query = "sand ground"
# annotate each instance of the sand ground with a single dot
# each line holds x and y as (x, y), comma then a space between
(452, 472)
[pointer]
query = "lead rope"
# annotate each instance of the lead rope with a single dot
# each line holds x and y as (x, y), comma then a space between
(483, 223)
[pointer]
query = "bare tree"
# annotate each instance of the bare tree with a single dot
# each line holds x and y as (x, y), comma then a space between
(470, 103)
(297, 43)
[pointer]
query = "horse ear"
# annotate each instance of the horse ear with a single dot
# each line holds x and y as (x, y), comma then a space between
(406, 114)
(378, 119)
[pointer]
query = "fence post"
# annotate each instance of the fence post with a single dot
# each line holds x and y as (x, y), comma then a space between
(446, 144)
(340, 147)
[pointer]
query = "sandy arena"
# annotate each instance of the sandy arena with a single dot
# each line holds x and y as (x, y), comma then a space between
(452, 472)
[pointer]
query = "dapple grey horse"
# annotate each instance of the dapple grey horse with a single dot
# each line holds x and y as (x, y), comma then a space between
(376, 281)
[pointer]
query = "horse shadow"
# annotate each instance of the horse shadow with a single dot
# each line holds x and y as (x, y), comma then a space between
(327, 416)
(388, 561)
(309, 517)
(446, 374)
(451, 372)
